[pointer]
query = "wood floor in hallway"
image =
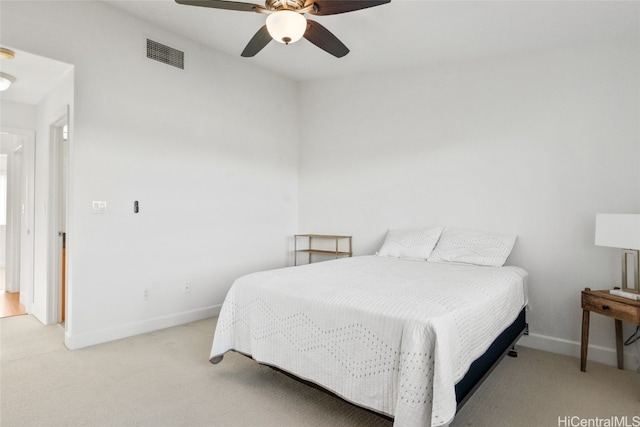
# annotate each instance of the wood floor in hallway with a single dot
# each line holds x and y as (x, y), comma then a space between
(10, 304)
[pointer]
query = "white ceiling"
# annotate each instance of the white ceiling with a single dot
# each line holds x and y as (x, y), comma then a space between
(35, 77)
(401, 34)
(405, 33)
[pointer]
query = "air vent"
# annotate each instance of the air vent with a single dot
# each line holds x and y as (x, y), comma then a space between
(165, 54)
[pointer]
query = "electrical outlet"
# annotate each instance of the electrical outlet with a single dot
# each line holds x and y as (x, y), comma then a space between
(147, 294)
(187, 288)
(98, 207)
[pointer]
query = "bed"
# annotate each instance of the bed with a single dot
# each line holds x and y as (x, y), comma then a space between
(407, 337)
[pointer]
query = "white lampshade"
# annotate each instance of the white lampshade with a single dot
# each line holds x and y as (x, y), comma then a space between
(618, 230)
(286, 26)
(6, 80)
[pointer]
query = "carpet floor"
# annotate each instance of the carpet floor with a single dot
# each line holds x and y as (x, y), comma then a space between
(164, 379)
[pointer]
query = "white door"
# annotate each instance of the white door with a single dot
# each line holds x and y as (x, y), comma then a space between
(15, 199)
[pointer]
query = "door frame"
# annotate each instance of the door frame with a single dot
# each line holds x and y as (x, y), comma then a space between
(58, 214)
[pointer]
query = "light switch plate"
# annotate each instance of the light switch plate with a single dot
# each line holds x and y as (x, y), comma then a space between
(98, 207)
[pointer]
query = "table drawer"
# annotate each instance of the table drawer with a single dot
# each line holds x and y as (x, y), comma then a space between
(608, 307)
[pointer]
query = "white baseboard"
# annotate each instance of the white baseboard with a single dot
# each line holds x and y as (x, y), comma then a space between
(595, 353)
(74, 342)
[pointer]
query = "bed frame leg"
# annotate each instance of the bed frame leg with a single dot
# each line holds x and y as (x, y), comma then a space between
(513, 352)
(216, 360)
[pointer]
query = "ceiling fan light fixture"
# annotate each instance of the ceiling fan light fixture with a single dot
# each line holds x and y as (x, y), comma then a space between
(286, 26)
(7, 53)
(6, 80)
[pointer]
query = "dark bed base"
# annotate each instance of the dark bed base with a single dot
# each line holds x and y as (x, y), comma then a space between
(482, 367)
(478, 371)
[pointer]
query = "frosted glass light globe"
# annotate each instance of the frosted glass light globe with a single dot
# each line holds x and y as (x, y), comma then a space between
(286, 26)
(5, 81)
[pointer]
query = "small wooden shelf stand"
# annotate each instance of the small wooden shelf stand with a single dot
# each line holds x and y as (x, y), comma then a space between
(311, 250)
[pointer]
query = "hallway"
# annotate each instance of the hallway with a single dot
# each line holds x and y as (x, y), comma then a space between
(10, 304)
(9, 301)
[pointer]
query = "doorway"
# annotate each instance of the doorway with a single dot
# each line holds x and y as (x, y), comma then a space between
(37, 103)
(17, 160)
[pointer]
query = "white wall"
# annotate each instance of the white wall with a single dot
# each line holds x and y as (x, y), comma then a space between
(216, 180)
(17, 115)
(533, 145)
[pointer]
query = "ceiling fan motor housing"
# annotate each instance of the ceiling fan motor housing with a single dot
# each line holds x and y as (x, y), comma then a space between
(284, 4)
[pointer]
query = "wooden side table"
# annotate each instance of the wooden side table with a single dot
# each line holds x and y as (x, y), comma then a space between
(619, 308)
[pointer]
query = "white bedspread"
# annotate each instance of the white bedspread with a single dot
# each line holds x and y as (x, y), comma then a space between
(388, 334)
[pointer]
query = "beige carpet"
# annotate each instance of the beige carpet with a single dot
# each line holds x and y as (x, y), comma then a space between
(164, 379)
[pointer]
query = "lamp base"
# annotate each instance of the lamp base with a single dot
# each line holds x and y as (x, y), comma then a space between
(624, 294)
(634, 255)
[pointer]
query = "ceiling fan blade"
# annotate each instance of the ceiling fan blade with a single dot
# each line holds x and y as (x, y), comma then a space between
(223, 4)
(257, 42)
(324, 39)
(333, 7)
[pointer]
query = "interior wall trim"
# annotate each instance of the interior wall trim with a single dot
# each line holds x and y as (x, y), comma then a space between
(74, 342)
(596, 353)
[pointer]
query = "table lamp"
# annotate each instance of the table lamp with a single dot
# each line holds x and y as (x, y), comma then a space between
(622, 231)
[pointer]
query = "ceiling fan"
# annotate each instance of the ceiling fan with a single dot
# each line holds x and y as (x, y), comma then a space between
(286, 23)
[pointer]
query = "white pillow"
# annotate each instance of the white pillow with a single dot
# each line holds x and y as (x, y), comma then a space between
(410, 243)
(472, 247)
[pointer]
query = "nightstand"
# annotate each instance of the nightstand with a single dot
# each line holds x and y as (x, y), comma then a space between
(619, 308)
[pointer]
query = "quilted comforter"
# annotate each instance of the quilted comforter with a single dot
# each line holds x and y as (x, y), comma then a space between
(388, 334)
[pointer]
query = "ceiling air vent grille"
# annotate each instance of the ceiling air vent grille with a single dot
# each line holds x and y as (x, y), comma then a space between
(165, 54)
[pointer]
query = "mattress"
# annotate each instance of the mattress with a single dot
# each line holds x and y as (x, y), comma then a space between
(391, 335)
